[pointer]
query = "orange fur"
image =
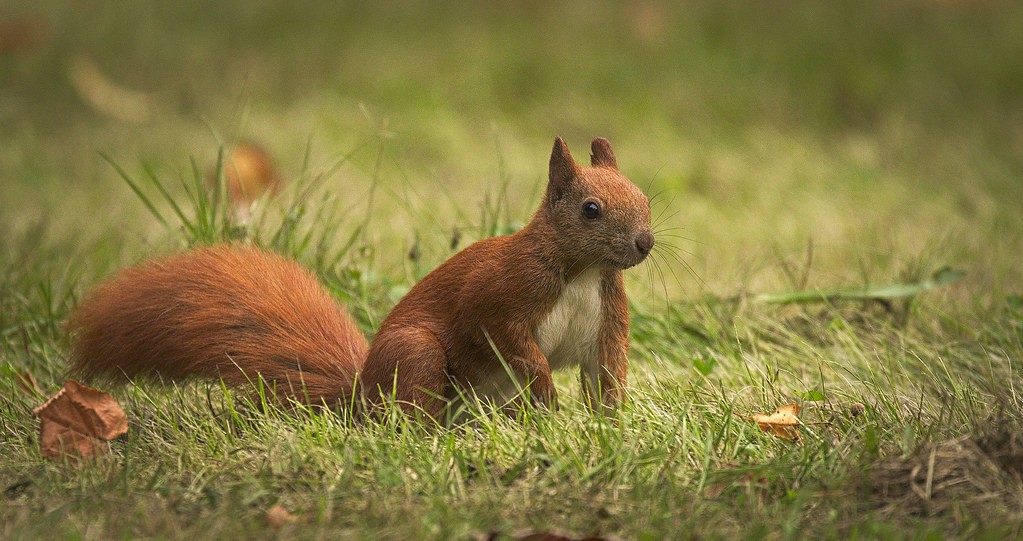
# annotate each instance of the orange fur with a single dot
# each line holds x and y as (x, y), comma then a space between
(229, 312)
(233, 312)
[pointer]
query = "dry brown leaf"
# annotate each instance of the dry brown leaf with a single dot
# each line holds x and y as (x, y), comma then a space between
(76, 423)
(27, 382)
(278, 517)
(783, 423)
(249, 171)
(22, 34)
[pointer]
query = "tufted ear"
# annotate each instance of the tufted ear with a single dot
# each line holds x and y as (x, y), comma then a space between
(602, 154)
(563, 170)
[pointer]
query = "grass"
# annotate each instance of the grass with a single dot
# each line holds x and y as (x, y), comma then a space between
(810, 147)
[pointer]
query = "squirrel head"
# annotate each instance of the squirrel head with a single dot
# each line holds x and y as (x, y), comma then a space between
(601, 218)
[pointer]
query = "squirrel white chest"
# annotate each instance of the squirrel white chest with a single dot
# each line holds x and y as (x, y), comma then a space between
(568, 334)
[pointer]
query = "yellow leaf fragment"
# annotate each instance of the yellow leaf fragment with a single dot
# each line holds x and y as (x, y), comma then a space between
(783, 423)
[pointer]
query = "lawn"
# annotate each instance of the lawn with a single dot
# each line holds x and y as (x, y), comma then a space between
(813, 167)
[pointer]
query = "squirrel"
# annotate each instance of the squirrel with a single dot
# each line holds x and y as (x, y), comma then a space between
(492, 320)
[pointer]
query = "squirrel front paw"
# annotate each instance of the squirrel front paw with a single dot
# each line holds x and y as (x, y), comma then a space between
(543, 394)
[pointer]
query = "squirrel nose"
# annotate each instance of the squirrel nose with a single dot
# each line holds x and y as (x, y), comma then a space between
(644, 242)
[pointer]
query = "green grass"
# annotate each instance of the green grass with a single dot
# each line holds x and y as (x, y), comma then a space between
(803, 147)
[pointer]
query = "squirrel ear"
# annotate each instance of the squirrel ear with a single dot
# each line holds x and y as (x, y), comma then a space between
(602, 154)
(563, 169)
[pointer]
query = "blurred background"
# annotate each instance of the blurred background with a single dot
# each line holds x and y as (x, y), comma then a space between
(887, 135)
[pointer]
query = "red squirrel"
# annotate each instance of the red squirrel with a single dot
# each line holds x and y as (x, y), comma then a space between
(546, 297)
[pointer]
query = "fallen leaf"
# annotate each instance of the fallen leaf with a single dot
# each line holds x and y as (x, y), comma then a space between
(22, 378)
(106, 96)
(783, 423)
(27, 382)
(22, 35)
(248, 171)
(278, 517)
(77, 422)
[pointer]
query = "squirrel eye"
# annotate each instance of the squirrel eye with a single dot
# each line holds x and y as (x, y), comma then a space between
(591, 210)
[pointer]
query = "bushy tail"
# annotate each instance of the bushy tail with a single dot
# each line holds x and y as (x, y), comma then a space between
(235, 313)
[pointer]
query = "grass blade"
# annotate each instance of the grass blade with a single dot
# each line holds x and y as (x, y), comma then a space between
(942, 277)
(135, 188)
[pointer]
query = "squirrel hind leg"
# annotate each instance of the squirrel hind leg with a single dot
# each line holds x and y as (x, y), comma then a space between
(408, 366)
